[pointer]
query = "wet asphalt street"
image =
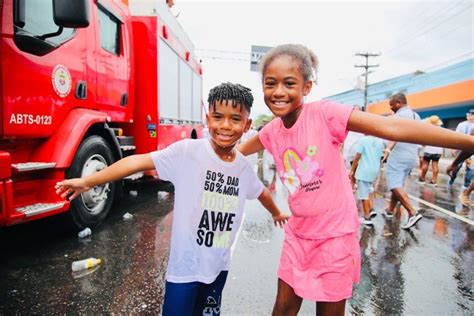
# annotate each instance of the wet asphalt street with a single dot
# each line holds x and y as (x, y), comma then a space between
(428, 270)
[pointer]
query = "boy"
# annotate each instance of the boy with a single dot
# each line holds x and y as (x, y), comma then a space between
(365, 167)
(212, 181)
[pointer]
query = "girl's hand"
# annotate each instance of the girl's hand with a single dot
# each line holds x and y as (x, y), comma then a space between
(449, 170)
(280, 220)
(386, 152)
(72, 188)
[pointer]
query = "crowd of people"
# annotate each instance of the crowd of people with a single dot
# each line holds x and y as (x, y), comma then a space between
(364, 156)
(320, 257)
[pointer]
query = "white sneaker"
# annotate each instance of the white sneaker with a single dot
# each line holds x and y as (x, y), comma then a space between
(412, 220)
(387, 214)
(366, 222)
(372, 213)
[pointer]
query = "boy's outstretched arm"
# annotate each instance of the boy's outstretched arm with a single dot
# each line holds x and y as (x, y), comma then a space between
(410, 131)
(251, 146)
(72, 188)
(267, 201)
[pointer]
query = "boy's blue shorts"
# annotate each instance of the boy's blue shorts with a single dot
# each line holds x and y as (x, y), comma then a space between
(194, 298)
(364, 188)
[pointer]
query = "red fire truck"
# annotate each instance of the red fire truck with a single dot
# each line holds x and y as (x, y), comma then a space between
(83, 84)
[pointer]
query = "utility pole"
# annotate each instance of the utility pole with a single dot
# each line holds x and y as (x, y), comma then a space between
(366, 66)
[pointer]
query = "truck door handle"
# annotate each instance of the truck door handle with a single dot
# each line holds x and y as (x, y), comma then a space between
(81, 90)
(124, 99)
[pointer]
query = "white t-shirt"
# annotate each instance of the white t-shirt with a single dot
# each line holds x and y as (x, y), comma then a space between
(208, 207)
(349, 148)
(433, 150)
(465, 127)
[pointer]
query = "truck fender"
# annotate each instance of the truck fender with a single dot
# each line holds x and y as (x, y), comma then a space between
(108, 133)
(63, 144)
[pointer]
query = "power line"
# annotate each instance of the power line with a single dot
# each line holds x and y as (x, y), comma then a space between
(430, 20)
(426, 69)
(222, 51)
(223, 58)
(402, 44)
(450, 61)
(219, 54)
(425, 17)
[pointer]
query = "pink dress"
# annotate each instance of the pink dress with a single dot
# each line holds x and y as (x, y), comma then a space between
(320, 257)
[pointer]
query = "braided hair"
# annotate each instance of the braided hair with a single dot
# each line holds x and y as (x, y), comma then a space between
(235, 92)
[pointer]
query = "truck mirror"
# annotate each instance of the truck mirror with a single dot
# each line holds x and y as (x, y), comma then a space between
(72, 14)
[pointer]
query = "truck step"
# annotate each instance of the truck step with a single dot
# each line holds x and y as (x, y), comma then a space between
(126, 140)
(135, 176)
(29, 166)
(127, 148)
(38, 208)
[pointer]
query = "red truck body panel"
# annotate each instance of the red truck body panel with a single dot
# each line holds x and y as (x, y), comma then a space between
(50, 103)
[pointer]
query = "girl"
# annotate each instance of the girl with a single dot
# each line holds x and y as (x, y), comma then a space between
(320, 258)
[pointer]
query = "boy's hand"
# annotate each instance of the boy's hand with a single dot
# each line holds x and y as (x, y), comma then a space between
(70, 189)
(352, 178)
(280, 219)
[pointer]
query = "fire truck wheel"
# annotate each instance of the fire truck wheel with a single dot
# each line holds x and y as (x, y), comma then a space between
(91, 208)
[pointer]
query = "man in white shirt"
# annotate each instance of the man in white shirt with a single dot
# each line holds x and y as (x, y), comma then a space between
(349, 148)
(464, 127)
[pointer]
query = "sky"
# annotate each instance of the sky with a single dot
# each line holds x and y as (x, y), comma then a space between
(408, 35)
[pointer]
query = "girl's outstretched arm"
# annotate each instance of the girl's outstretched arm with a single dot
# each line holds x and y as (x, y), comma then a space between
(251, 146)
(72, 188)
(409, 131)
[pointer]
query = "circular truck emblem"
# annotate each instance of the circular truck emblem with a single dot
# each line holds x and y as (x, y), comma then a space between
(61, 80)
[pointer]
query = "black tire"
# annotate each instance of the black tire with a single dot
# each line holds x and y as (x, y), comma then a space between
(91, 208)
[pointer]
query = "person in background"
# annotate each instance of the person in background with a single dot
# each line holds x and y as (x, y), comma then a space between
(364, 170)
(431, 154)
(462, 156)
(212, 181)
(421, 153)
(402, 158)
(464, 127)
(249, 134)
(349, 145)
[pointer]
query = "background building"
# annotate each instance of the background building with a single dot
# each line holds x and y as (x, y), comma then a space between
(447, 92)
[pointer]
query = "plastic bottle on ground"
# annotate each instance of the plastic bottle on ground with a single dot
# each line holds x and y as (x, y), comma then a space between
(127, 216)
(84, 233)
(85, 264)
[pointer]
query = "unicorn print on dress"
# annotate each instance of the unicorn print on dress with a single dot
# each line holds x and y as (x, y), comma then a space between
(299, 170)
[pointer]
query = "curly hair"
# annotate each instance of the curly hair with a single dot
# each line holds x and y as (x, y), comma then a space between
(235, 92)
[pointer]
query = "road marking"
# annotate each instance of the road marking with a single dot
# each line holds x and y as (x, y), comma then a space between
(442, 210)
